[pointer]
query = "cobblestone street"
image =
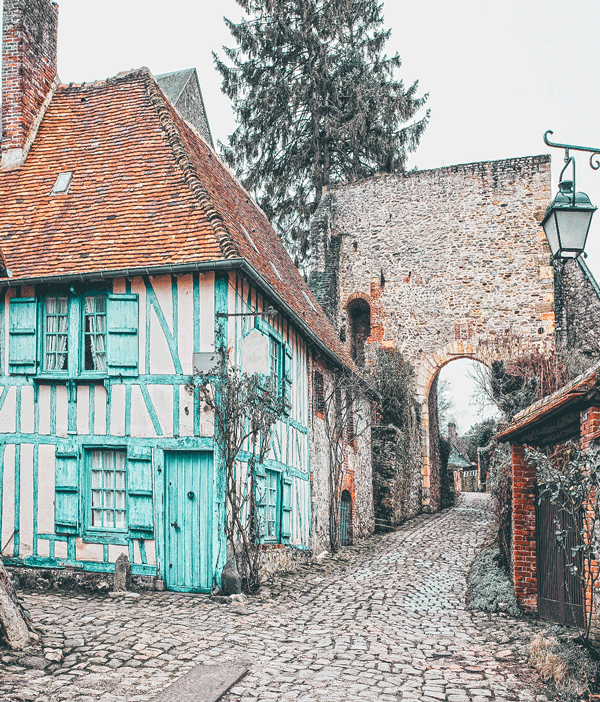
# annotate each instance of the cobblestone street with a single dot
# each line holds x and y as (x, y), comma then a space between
(384, 620)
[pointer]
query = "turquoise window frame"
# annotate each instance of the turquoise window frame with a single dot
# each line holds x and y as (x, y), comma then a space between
(272, 507)
(46, 334)
(278, 350)
(102, 534)
(83, 372)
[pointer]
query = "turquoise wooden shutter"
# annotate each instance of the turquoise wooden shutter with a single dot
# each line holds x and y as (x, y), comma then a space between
(140, 505)
(286, 510)
(260, 496)
(122, 320)
(22, 337)
(66, 489)
(287, 385)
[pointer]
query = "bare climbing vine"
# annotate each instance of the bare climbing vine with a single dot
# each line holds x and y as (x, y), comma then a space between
(245, 410)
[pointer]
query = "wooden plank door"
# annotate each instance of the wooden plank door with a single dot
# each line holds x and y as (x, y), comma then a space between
(560, 595)
(188, 521)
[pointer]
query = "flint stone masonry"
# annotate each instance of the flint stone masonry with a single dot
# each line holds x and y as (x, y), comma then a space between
(449, 260)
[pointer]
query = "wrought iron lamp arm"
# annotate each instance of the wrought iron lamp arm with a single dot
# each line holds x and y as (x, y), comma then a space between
(595, 151)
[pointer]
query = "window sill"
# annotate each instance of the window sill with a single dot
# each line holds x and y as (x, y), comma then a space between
(118, 538)
(57, 378)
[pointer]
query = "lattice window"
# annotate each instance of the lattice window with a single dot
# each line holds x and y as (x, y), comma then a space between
(272, 505)
(56, 337)
(108, 489)
(94, 334)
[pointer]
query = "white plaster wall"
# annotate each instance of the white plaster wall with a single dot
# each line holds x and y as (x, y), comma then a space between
(185, 298)
(8, 499)
(44, 405)
(62, 410)
(141, 422)
(88, 552)
(26, 501)
(8, 414)
(83, 409)
(100, 410)
(207, 312)
(162, 399)
(60, 549)
(117, 410)
(27, 409)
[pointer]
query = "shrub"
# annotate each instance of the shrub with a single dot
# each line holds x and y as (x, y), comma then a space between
(566, 664)
(489, 587)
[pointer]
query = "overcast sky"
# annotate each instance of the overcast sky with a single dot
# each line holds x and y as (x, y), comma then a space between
(498, 74)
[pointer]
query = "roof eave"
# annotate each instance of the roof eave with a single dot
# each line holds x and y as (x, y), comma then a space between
(201, 266)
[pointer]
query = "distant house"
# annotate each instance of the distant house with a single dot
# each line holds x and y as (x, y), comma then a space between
(464, 472)
(130, 255)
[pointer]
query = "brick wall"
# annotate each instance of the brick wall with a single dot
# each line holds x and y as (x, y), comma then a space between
(524, 536)
(28, 66)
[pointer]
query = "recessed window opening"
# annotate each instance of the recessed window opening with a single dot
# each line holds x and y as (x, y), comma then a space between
(319, 388)
(63, 183)
(249, 238)
(359, 314)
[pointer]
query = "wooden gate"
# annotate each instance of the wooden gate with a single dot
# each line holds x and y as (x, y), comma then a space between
(560, 594)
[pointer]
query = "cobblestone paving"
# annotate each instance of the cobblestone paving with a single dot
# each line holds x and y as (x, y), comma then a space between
(385, 620)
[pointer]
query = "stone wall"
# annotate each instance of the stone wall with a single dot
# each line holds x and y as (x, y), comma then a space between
(447, 260)
(577, 310)
(357, 474)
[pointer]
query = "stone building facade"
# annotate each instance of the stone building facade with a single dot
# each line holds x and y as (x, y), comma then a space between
(449, 263)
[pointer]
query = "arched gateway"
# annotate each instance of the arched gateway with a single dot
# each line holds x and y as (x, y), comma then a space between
(447, 263)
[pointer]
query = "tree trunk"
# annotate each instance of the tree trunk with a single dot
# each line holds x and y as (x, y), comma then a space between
(12, 620)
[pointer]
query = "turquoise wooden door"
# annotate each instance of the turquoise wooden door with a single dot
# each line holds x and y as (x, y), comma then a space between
(188, 526)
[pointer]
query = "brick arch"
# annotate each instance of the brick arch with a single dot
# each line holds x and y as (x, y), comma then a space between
(359, 296)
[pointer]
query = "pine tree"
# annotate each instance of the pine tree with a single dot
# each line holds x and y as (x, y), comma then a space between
(316, 101)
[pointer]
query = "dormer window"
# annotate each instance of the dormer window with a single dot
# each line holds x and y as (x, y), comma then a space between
(63, 183)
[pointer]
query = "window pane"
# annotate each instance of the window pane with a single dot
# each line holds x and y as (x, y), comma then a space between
(108, 482)
(94, 342)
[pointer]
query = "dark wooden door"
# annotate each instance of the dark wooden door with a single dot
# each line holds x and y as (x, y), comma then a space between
(560, 594)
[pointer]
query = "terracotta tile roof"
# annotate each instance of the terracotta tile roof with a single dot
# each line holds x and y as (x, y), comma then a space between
(536, 413)
(146, 191)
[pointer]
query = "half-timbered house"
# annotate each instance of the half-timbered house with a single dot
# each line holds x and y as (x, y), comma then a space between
(130, 255)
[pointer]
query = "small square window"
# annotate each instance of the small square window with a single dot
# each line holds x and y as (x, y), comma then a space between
(62, 184)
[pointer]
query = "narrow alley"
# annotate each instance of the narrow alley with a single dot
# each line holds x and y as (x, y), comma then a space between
(385, 620)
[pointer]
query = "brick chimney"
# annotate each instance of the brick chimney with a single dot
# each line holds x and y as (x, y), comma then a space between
(29, 40)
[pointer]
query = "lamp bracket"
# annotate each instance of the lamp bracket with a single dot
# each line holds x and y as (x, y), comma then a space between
(595, 151)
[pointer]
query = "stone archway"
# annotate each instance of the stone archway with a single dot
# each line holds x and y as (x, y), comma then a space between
(447, 258)
(429, 372)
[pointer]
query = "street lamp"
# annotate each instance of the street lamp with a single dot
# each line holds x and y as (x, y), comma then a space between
(568, 217)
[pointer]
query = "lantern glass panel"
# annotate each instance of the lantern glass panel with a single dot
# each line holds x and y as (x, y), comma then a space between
(573, 227)
(552, 233)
